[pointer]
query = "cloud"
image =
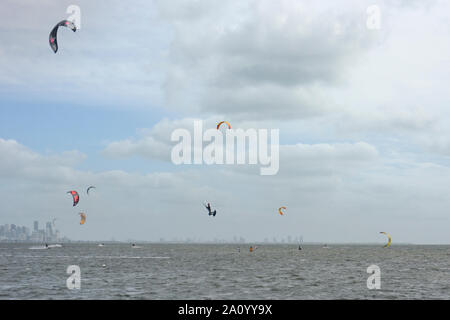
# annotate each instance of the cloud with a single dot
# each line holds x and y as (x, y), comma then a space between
(109, 62)
(18, 161)
(326, 158)
(259, 58)
(323, 186)
(155, 144)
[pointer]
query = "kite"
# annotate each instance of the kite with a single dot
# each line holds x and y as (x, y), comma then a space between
(389, 241)
(75, 196)
(218, 126)
(89, 189)
(52, 38)
(83, 218)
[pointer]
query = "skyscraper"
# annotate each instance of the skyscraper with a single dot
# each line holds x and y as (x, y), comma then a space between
(36, 226)
(48, 229)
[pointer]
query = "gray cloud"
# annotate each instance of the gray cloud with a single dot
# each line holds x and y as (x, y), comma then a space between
(263, 60)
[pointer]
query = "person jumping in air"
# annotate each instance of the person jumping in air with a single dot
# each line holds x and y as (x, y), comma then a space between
(210, 212)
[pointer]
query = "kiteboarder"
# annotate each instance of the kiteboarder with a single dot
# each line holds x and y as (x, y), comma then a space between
(210, 212)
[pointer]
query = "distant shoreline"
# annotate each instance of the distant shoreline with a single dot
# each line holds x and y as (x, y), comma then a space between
(329, 244)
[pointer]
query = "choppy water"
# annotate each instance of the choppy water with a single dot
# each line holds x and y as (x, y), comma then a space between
(180, 271)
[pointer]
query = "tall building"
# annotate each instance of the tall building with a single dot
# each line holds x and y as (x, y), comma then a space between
(36, 226)
(48, 231)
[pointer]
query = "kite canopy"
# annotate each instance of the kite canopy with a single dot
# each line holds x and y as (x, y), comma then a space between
(75, 196)
(218, 126)
(279, 210)
(89, 189)
(389, 241)
(83, 218)
(52, 38)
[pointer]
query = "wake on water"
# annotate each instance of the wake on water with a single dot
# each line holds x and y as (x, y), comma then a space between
(50, 246)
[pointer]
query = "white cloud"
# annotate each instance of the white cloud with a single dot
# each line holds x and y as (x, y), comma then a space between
(259, 58)
(361, 188)
(18, 161)
(109, 62)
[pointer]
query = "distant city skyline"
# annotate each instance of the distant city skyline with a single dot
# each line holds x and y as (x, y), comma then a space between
(13, 232)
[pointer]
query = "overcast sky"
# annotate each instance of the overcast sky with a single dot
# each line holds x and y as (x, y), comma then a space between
(363, 116)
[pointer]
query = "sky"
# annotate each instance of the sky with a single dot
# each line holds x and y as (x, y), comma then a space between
(363, 118)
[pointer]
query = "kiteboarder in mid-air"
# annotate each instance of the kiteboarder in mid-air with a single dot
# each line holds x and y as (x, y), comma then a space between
(210, 212)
